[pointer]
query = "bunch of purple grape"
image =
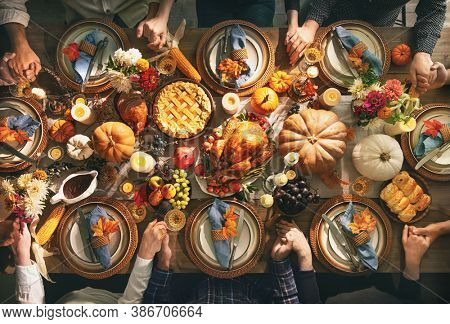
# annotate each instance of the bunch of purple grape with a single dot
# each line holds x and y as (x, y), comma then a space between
(294, 196)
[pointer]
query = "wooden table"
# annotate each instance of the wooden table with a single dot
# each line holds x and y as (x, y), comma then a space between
(438, 257)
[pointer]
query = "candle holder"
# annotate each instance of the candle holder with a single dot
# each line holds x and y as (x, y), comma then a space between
(330, 98)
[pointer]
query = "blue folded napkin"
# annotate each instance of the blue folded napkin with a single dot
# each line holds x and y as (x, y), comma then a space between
(215, 215)
(366, 251)
(427, 143)
(25, 123)
(238, 40)
(349, 40)
(81, 64)
(103, 254)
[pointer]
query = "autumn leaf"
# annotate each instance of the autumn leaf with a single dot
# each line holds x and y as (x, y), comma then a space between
(6, 134)
(432, 127)
(363, 221)
(110, 227)
(21, 136)
(97, 229)
(351, 134)
(71, 51)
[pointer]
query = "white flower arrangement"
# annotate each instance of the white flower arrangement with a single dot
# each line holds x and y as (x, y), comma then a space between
(119, 81)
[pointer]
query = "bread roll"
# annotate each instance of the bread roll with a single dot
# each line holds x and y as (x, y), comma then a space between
(395, 199)
(415, 195)
(388, 192)
(423, 202)
(404, 202)
(401, 179)
(407, 214)
(409, 187)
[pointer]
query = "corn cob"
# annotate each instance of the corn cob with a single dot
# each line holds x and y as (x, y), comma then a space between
(184, 65)
(48, 228)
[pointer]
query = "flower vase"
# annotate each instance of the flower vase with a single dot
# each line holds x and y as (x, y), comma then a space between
(400, 127)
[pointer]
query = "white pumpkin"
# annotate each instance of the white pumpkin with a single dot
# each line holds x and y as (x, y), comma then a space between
(378, 157)
(79, 147)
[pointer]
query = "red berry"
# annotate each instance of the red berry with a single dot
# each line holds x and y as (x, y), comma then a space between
(226, 190)
(210, 189)
(216, 191)
(198, 170)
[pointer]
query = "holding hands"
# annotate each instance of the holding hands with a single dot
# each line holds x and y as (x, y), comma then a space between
(299, 38)
(152, 239)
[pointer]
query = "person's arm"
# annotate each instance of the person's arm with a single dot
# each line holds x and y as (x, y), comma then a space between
(427, 30)
(415, 246)
(29, 286)
(151, 243)
(284, 288)
(154, 27)
(433, 231)
(305, 276)
(14, 11)
(320, 11)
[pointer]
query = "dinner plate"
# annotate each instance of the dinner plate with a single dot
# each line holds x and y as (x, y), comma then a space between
(17, 107)
(122, 246)
(420, 214)
(200, 246)
(438, 168)
(75, 34)
(261, 57)
(325, 247)
(337, 72)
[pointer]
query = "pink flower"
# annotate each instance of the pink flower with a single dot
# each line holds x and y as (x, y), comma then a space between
(135, 78)
(375, 100)
(393, 89)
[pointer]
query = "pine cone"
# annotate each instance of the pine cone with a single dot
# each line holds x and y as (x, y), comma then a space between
(107, 176)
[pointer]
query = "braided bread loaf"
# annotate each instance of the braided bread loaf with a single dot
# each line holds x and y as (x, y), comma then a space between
(405, 197)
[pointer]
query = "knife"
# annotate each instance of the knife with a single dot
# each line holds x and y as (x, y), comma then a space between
(100, 59)
(340, 238)
(83, 228)
(343, 53)
(99, 49)
(436, 152)
(13, 151)
(235, 240)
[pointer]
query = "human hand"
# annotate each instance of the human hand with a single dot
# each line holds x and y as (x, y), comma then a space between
(282, 247)
(155, 30)
(419, 72)
(433, 231)
(8, 231)
(164, 255)
(7, 75)
(438, 75)
(21, 245)
(26, 63)
(300, 243)
(415, 247)
(152, 239)
(298, 38)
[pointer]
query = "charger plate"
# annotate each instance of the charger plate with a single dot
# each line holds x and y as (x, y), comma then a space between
(77, 32)
(261, 57)
(11, 106)
(122, 246)
(325, 247)
(420, 214)
(336, 72)
(200, 246)
(437, 169)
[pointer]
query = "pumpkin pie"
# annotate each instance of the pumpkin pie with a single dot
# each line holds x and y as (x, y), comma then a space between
(182, 109)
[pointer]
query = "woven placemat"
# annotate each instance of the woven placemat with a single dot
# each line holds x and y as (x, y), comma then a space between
(317, 220)
(211, 83)
(405, 143)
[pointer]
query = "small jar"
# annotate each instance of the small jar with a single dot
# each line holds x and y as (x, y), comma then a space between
(55, 153)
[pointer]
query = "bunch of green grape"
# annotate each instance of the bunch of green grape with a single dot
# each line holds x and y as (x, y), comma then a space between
(181, 199)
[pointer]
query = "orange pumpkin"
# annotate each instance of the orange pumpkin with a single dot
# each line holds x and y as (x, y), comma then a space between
(264, 101)
(319, 138)
(280, 81)
(62, 130)
(401, 54)
(114, 141)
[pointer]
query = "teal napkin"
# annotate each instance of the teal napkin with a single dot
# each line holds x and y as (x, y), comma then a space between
(215, 215)
(102, 253)
(427, 143)
(366, 251)
(349, 40)
(238, 40)
(25, 123)
(81, 64)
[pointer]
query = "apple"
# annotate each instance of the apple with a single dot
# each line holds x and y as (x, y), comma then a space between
(155, 197)
(184, 157)
(168, 191)
(155, 182)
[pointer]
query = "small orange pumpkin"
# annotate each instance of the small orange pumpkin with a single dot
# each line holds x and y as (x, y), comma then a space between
(280, 81)
(401, 54)
(264, 101)
(114, 141)
(62, 130)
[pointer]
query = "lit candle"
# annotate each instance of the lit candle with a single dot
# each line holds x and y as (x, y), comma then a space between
(127, 187)
(142, 162)
(330, 98)
(312, 72)
(83, 114)
(230, 103)
(56, 153)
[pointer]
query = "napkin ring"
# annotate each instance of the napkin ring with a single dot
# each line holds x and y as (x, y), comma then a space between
(239, 54)
(217, 235)
(445, 131)
(87, 47)
(359, 48)
(99, 241)
(361, 238)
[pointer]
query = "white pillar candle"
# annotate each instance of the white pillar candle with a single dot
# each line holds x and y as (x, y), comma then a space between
(312, 72)
(330, 98)
(83, 114)
(231, 103)
(142, 162)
